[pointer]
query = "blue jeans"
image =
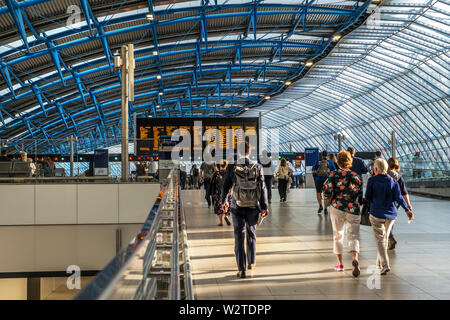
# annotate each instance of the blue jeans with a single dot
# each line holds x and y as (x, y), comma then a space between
(244, 223)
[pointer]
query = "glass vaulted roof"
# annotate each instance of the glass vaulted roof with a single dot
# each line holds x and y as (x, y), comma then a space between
(391, 74)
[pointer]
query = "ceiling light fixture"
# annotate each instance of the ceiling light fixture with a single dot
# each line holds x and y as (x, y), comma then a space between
(336, 37)
(158, 76)
(267, 97)
(288, 83)
(309, 64)
(149, 17)
(155, 53)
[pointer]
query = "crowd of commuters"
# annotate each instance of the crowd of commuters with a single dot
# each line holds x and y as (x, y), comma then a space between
(43, 167)
(146, 168)
(242, 191)
(385, 192)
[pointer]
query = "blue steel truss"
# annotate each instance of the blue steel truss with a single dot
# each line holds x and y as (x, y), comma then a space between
(193, 58)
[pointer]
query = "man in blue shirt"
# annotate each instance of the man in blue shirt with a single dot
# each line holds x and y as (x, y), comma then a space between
(358, 165)
(321, 170)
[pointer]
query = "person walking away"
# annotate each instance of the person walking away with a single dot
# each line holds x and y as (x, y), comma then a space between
(382, 192)
(342, 189)
(377, 155)
(393, 172)
(183, 177)
(358, 166)
(206, 173)
(194, 176)
(333, 158)
(216, 192)
(283, 173)
(321, 171)
(248, 200)
(266, 163)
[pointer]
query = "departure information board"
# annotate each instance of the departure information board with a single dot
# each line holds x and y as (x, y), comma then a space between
(149, 131)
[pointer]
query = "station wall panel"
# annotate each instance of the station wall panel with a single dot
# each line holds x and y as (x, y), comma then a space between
(56, 204)
(17, 205)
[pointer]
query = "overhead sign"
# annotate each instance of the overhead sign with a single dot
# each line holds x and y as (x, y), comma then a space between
(101, 159)
(150, 131)
(311, 156)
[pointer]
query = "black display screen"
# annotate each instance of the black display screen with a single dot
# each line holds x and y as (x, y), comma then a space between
(149, 131)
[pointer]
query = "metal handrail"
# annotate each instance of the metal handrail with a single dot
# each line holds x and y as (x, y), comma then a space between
(188, 283)
(101, 286)
(110, 282)
(174, 292)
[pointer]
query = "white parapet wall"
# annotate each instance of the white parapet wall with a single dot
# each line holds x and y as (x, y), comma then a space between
(48, 227)
(69, 204)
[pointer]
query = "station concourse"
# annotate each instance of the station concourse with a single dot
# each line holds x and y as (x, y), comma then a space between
(116, 116)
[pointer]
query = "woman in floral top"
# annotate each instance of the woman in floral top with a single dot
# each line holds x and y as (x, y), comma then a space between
(343, 188)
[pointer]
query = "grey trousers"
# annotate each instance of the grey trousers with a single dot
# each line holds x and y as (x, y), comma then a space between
(381, 229)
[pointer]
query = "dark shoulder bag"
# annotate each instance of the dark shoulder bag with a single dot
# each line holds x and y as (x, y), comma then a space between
(365, 221)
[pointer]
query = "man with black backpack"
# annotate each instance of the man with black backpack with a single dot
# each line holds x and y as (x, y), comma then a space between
(249, 198)
(321, 170)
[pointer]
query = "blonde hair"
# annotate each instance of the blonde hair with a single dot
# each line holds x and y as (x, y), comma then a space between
(344, 159)
(381, 165)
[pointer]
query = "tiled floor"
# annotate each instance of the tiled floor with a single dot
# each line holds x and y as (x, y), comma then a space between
(295, 258)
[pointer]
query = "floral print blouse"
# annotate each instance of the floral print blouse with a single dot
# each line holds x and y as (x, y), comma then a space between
(344, 187)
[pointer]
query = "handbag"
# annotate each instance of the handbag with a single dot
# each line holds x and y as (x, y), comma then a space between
(365, 221)
(327, 200)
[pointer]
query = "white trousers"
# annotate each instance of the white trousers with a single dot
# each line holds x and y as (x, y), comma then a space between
(342, 220)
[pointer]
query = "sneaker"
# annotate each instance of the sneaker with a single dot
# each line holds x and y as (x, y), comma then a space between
(356, 271)
(241, 274)
(251, 266)
(384, 271)
(320, 209)
(325, 212)
(339, 267)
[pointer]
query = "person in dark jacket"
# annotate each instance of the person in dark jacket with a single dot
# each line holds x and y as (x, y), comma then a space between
(393, 172)
(320, 178)
(382, 192)
(244, 218)
(358, 166)
(216, 192)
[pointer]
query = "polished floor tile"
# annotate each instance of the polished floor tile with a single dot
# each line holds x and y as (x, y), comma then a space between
(295, 255)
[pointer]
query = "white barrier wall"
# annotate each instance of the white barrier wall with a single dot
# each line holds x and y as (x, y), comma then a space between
(45, 204)
(53, 248)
